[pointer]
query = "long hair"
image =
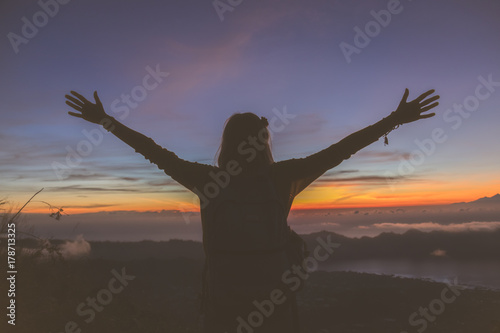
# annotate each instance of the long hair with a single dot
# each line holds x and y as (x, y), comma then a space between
(245, 140)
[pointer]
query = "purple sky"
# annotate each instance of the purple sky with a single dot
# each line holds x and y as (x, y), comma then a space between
(264, 55)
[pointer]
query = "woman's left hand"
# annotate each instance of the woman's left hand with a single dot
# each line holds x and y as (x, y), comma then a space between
(408, 112)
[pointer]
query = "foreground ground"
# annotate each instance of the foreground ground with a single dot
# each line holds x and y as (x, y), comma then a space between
(163, 297)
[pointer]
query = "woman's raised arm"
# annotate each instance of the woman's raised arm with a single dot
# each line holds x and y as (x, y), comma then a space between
(406, 112)
(188, 174)
(303, 171)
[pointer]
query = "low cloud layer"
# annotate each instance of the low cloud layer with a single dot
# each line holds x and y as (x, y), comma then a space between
(351, 222)
(431, 226)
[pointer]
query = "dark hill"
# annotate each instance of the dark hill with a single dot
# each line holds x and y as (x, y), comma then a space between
(413, 244)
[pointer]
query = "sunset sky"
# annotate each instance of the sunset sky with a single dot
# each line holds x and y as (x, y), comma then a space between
(263, 56)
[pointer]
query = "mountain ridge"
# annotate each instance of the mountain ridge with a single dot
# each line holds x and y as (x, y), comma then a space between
(493, 199)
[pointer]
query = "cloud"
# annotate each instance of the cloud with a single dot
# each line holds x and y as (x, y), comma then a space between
(363, 179)
(96, 176)
(383, 156)
(89, 205)
(347, 197)
(360, 180)
(135, 189)
(431, 226)
(75, 249)
(121, 226)
(209, 63)
(341, 172)
(163, 182)
(330, 224)
(92, 189)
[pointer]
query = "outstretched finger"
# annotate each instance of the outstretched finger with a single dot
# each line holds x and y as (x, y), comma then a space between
(74, 106)
(428, 107)
(429, 101)
(423, 116)
(74, 100)
(424, 95)
(74, 114)
(84, 100)
(96, 97)
(405, 96)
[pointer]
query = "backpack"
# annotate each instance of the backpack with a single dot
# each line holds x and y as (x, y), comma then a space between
(247, 241)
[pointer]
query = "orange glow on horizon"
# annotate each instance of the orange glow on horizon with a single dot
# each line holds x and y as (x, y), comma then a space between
(315, 197)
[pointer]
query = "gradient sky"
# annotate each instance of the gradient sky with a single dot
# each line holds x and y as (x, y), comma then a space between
(264, 55)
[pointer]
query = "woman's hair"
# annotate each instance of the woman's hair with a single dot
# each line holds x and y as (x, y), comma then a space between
(246, 140)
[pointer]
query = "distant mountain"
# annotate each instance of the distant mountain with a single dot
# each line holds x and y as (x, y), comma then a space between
(413, 244)
(493, 199)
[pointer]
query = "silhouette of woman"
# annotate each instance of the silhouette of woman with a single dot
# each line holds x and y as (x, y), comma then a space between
(245, 201)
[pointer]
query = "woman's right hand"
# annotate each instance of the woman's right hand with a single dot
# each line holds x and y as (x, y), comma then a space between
(87, 110)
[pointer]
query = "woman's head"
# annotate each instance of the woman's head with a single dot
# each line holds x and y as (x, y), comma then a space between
(245, 140)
